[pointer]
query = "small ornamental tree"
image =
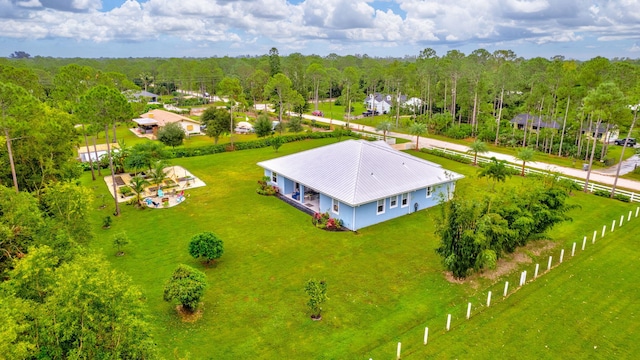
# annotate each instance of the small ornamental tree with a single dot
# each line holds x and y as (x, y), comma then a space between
(171, 135)
(317, 291)
(119, 241)
(276, 142)
(206, 245)
(186, 286)
(263, 126)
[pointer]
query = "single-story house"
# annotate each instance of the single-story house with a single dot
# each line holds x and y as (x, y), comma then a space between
(534, 122)
(360, 182)
(84, 153)
(145, 94)
(150, 122)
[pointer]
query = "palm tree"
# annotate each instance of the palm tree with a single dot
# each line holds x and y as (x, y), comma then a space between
(624, 147)
(524, 155)
(496, 170)
(477, 147)
(158, 174)
(138, 183)
(384, 126)
(418, 129)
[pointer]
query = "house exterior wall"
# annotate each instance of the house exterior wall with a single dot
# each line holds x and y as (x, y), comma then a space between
(355, 218)
(367, 214)
(280, 180)
(190, 128)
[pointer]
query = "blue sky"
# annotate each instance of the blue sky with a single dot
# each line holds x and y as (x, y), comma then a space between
(575, 29)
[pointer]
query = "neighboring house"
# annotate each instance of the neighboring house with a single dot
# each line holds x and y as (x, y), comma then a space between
(101, 149)
(533, 122)
(413, 103)
(382, 104)
(146, 95)
(360, 182)
(150, 122)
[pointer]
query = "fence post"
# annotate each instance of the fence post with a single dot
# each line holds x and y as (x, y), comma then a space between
(426, 335)
(584, 242)
(524, 277)
(489, 299)
(629, 217)
(506, 288)
(604, 229)
(398, 352)
(448, 322)
(468, 311)
(573, 249)
(613, 225)
(549, 265)
(593, 240)
(637, 210)
(621, 218)
(535, 274)
(561, 255)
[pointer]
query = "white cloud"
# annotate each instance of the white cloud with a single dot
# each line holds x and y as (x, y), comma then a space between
(336, 24)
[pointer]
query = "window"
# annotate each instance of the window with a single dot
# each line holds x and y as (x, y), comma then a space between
(335, 206)
(429, 191)
(393, 202)
(405, 200)
(274, 177)
(380, 207)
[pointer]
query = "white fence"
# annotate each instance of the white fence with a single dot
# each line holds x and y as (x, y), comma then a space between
(592, 186)
(524, 280)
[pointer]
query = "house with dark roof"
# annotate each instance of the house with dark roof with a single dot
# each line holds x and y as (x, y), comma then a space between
(533, 122)
(360, 182)
(146, 95)
(536, 122)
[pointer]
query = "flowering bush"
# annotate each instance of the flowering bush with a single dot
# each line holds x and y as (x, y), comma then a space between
(324, 221)
(265, 188)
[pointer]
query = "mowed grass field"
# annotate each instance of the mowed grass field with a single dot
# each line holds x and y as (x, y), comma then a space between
(385, 283)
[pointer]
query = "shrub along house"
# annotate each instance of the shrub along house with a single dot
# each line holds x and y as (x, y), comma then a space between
(360, 182)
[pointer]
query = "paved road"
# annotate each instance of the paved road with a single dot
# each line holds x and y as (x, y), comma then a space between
(598, 177)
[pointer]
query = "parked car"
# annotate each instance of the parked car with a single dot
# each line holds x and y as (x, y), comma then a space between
(630, 142)
(317, 113)
(367, 113)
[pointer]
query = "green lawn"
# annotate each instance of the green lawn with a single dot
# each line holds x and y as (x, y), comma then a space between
(385, 283)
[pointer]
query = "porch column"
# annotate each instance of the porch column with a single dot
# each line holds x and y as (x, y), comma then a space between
(301, 193)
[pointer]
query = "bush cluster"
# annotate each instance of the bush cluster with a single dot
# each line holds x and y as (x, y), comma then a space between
(265, 188)
(326, 222)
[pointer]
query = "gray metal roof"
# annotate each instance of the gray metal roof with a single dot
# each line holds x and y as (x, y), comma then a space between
(357, 172)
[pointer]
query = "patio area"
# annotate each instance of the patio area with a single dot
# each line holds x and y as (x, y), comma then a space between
(171, 193)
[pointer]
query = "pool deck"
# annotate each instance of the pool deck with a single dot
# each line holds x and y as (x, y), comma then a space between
(181, 177)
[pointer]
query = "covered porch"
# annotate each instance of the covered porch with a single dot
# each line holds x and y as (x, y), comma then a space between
(146, 126)
(302, 195)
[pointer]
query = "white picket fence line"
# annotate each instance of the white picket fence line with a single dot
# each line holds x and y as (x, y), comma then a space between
(523, 276)
(634, 197)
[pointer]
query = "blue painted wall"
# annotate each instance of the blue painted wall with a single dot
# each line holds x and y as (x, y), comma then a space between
(366, 215)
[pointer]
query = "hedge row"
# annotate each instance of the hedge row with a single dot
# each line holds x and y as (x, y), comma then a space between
(607, 194)
(454, 157)
(255, 144)
(317, 125)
